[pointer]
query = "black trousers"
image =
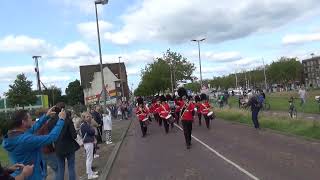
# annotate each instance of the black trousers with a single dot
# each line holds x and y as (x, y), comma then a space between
(255, 121)
(199, 117)
(177, 117)
(160, 121)
(165, 124)
(207, 119)
(143, 128)
(156, 117)
(187, 130)
(99, 137)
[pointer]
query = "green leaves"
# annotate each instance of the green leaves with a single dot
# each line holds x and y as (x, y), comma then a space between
(20, 92)
(156, 77)
(74, 93)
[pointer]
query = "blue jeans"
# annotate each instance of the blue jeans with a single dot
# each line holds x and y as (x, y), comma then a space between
(52, 161)
(71, 166)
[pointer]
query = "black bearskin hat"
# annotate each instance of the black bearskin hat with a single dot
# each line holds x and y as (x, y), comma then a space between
(182, 92)
(203, 97)
(168, 97)
(163, 98)
(197, 98)
(140, 100)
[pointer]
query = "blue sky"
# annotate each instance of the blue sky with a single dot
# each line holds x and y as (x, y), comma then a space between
(239, 35)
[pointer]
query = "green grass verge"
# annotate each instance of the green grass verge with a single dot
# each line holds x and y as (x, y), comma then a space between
(308, 129)
(279, 101)
(4, 157)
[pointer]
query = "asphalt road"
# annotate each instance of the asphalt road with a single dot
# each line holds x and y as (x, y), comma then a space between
(227, 151)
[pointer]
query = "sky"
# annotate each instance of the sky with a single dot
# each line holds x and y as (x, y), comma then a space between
(239, 35)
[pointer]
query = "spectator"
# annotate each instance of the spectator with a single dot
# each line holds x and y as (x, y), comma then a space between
(24, 146)
(303, 95)
(48, 154)
(66, 146)
(255, 108)
(107, 126)
(97, 116)
(26, 171)
(88, 133)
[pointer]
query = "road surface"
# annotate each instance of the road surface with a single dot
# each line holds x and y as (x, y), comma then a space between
(225, 152)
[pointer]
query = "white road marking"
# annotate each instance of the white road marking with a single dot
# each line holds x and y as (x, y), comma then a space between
(222, 157)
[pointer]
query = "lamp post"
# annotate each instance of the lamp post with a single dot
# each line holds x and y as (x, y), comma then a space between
(265, 76)
(103, 2)
(37, 71)
(198, 41)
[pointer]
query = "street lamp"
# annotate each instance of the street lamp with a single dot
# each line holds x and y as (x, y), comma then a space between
(103, 2)
(198, 41)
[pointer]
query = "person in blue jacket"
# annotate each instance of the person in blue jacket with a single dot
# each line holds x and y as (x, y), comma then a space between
(24, 146)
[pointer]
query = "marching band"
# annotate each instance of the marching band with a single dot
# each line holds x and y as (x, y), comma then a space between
(170, 110)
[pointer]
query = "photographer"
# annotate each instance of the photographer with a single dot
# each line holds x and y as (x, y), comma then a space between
(24, 146)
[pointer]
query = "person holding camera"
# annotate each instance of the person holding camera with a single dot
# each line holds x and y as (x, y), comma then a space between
(65, 148)
(24, 145)
(5, 172)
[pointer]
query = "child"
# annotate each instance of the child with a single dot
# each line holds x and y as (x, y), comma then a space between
(107, 126)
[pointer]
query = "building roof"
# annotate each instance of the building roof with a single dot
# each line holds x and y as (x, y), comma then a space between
(311, 59)
(87, 72)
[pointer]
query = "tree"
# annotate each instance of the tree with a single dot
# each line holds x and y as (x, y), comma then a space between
(156, 77)
(54, 95)
(194, 86)
(74, 93)
(20, 92)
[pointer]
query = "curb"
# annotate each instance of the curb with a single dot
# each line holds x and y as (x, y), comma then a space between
(107, 168)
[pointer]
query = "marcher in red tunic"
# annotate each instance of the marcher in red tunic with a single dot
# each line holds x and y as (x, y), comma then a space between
(142, 114)
(186, 116)
(198, 104)
(164, 112)
(205, 109)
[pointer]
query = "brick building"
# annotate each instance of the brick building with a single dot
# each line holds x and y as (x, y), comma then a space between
(91, 82)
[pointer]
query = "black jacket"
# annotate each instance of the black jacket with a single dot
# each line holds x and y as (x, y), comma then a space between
(254, 103)
(66, 142)
(87, 133)
(97, 117)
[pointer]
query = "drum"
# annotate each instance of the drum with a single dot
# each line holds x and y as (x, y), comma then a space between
(169, 116)
(145, 119)
(210, 113)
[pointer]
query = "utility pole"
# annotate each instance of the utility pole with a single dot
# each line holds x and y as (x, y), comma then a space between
(121, 83)
(199, 54)
(236, 80)
(37, 71)
(265, 77)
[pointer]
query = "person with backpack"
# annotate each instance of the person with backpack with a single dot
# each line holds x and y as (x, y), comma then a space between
(65, 148)
(255, 108)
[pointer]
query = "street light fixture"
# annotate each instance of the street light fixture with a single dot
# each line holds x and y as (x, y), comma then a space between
(198, 41)
(103, 2)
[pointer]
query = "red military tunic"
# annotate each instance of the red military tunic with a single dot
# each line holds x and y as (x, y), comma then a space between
(187, 114)
(205, 108)
(179, 105)
(142, 113)
(164, 110)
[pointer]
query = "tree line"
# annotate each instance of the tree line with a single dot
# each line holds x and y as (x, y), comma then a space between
(20, 93)
(156, 77)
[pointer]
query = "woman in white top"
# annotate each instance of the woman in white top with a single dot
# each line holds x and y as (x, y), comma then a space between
(107, 126)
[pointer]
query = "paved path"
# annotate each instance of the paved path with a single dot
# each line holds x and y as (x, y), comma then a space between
(255, 154)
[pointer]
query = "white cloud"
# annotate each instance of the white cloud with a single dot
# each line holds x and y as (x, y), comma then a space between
(180, 20)
(300, 38)
(89, 29)
(10, 73)
(217, 56)
(85, 6)
(24, 44)
(55, 79)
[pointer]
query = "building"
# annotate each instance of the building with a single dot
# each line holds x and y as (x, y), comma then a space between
(92, 87)
(311, 68)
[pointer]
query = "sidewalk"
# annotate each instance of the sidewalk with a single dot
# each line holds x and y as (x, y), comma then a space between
(118, 126)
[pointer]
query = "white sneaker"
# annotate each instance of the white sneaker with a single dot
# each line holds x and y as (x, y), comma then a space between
(95, 172)
(96, 156)
(108, 142)
(93, 176)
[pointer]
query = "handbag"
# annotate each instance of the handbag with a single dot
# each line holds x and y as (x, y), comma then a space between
(79, 139)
